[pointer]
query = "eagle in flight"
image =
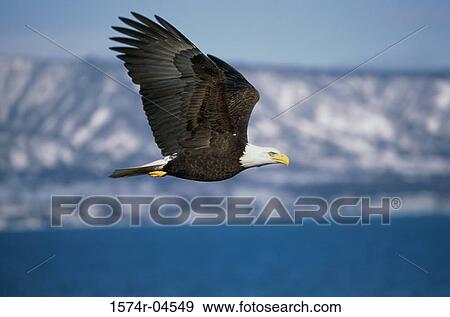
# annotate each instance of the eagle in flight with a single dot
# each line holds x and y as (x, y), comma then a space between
(198, 106)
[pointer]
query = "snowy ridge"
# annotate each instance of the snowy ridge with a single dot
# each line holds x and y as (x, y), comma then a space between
(63, 122)
(57, 115)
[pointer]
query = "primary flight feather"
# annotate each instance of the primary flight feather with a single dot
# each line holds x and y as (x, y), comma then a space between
(198, 106)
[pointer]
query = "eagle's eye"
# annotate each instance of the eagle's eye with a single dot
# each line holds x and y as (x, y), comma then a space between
(271, 153)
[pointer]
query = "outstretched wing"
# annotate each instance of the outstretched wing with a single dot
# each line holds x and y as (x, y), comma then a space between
(182, 90)
(241, 97)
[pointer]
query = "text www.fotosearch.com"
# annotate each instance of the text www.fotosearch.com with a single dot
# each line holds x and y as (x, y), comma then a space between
(253, 307)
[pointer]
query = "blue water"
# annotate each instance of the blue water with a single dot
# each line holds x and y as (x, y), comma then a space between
(305, 260)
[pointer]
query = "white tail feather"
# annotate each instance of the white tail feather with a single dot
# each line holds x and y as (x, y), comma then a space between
(143, 169)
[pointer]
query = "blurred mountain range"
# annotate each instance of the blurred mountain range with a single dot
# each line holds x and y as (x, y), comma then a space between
(68, 123)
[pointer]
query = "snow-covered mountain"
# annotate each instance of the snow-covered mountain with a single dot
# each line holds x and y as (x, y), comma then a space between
(62, 115)
(65, 122)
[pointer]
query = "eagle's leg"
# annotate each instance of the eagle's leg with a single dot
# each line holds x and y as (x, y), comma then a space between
(157, 173)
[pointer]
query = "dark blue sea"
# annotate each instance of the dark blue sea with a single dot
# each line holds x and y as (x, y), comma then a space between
(409, 257)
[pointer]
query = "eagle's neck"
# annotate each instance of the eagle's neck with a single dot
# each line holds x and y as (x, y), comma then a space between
(254, 155)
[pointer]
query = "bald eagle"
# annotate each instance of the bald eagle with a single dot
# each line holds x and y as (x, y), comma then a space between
(198, 106)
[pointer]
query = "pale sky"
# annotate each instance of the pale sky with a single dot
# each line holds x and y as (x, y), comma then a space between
(324, 34)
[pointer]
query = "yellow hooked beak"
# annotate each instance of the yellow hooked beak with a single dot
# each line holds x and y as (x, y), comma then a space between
(280, 158)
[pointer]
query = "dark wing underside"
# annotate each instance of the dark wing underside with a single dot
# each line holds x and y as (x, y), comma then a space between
(241, 97)
(187, 96)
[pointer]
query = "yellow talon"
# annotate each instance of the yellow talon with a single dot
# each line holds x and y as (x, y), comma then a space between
(157, 173)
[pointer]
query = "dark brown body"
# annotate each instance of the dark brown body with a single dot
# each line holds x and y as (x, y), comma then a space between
(210, 163)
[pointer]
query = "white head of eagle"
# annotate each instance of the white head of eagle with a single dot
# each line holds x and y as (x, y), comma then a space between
(254, 156)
